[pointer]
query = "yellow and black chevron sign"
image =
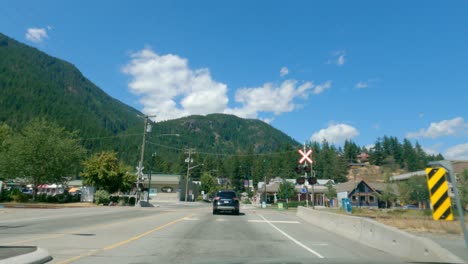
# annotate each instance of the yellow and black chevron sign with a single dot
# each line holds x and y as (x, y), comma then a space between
(438, 190)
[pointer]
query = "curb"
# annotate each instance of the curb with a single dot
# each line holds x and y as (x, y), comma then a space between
(38, 256)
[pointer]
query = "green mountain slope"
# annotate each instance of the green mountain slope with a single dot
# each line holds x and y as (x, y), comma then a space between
(224, 134)
(34, 84)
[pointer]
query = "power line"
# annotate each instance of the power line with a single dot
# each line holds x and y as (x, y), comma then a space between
(224, 154)
(117, 136)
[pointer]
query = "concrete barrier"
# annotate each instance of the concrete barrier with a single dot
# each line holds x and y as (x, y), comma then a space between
(377, 235)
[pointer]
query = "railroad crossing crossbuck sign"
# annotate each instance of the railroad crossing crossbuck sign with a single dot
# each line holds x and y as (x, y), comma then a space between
(305, 156)
(438, 190)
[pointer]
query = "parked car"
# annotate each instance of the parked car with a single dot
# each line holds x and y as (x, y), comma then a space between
(410, 207)
(226, 201)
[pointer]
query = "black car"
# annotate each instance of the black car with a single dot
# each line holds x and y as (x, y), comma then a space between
(226, 201)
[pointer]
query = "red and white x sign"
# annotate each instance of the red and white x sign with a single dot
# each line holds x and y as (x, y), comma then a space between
(305, 156)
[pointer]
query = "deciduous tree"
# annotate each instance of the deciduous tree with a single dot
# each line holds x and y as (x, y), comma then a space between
(106, 172)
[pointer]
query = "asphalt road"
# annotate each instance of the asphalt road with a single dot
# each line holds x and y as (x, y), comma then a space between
(179, 234)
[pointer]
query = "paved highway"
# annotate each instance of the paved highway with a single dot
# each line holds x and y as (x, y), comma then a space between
(179, 234)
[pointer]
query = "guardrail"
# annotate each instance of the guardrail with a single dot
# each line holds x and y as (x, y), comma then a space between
(377, 235)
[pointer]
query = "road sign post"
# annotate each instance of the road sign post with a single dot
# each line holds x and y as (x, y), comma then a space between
(438, 191)
(448, 166)
(305, 158)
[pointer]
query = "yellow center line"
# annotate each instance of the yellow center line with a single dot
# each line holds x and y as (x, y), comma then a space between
(76, 231)
(124, 242)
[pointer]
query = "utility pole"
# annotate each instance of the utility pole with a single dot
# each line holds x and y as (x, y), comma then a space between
(305, 182)
(146, 128)
(189, 160)
(265, 189)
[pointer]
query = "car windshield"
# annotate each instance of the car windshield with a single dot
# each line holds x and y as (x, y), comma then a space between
(228, 195)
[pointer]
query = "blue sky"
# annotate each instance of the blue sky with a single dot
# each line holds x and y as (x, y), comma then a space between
(313, 69)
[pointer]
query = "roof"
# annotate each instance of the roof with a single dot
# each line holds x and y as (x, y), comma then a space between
(75, 183)
(406, 176)
(345, 186)
(164, 178)
(381, 186)
(349, 186)
(325, 181)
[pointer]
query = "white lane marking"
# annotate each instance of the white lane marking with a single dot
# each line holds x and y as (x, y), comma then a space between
(221, 220)
(275, 222)
(291, 238)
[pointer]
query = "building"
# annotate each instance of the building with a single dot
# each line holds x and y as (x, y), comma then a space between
(303, 192)
(365, 194)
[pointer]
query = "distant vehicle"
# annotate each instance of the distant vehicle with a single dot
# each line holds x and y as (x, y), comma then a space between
(410, 207)
(27, 191)
(226, 201)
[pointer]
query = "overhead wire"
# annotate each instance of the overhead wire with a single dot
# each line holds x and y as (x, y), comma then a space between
(223, 154)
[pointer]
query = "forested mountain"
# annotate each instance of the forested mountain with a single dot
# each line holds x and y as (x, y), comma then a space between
(34, 84)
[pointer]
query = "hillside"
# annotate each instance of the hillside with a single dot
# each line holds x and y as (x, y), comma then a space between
(34, 84)
(228, 134)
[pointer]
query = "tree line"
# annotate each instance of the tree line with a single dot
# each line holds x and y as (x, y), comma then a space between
(44, 152)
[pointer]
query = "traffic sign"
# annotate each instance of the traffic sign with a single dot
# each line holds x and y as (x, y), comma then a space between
(305, 156)
(139, 170)
(304, 190)
(438, 191)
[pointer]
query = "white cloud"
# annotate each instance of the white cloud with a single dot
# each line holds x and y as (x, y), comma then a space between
(322, 87)
(170, 89)
(37, 35)
(161, 79)
(362, 85)
(271, 98)
(338, 58)
(370, 146)
(450, 127)
(430, 150)
(284, 71)
(457, 152)
(335, 133)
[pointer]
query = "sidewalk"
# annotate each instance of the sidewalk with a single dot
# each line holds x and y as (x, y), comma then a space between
(23, 254)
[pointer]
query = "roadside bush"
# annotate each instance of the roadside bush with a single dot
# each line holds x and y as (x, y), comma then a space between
(51, 199)
(247, 201)
(131, 201)
(114, 199)
(63, 198)
(101, 197)
(19, 197)
(5, 196)
(75, 198)
(42, 198)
